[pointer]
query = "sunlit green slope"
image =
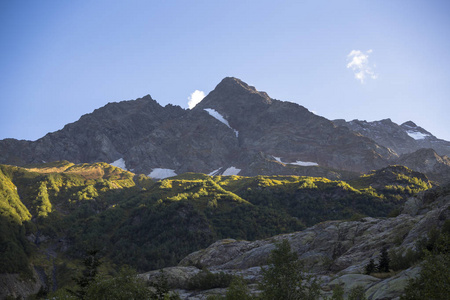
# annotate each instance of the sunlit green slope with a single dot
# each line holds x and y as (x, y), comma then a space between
(148, 224)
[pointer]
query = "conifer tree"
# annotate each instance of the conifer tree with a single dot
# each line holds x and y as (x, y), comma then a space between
(284, 277)
(91, 264)
(370, 268)
(383, 263)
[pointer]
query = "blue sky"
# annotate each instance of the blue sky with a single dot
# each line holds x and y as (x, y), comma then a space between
(62, 59)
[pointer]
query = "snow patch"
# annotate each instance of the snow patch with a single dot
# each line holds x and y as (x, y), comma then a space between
(213, 113)
(160, 173)
(120, 163)
(297, 163)
(304, 163)
(231, 171)
(215, 172)
(278, 159)
(417, 135)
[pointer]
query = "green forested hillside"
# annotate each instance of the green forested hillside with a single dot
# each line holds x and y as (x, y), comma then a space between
(65, 209)
(14, 248)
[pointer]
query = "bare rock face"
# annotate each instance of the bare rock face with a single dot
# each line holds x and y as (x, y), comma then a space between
(336, 251)
(391, 288)
(289, 131)
(418, 149)
(141, 132)
(403, 139)
(16, 286)
(429, 162)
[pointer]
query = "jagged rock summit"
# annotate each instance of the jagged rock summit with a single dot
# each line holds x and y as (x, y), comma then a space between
(288, 132)
(403, 139)
(235, 129)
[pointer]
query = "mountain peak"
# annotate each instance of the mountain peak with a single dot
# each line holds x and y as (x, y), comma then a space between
(409, 124)
(237, 85)
(386, 121)
(232, 91)
(234, 83)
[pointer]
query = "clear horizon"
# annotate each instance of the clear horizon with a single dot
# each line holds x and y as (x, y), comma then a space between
(342, 60)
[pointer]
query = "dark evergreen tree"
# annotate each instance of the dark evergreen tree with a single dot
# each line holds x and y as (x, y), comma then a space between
(238, 290)
(434, 278)
(91, 264)
(383, 263)
(284, 277)
(371, 267)
(161, 289)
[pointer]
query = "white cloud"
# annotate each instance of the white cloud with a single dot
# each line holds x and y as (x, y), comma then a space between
(195, 98)
(359, 63)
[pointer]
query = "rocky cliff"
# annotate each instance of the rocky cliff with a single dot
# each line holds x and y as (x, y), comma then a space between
(428, 161)
(16, 286)
(403, 139)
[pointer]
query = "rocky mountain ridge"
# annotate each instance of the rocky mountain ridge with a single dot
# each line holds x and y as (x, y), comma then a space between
(429, 162)
(403, 139)
(234, 130)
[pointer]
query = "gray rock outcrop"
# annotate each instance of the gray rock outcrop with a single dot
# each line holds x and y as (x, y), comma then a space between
(15, 285)
(336, 251)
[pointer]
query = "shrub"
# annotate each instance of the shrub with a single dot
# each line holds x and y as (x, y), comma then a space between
(403, 262)
(206, 280)
(160, 289)
(357, 293)
(124, 286)
(338, 292)
(434, 278)
(433, 281)
(238, 290)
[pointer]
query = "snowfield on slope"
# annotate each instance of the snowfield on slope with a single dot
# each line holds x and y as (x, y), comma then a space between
(160, 173)
(120, 163)
(297, 163)
(231, 171)
(417, 135)
(215, 172)
(213, 113)
(304, 163)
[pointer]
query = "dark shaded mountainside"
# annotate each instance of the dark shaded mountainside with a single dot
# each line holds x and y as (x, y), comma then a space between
(418, 149)
(50, 214)
(235, 129)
